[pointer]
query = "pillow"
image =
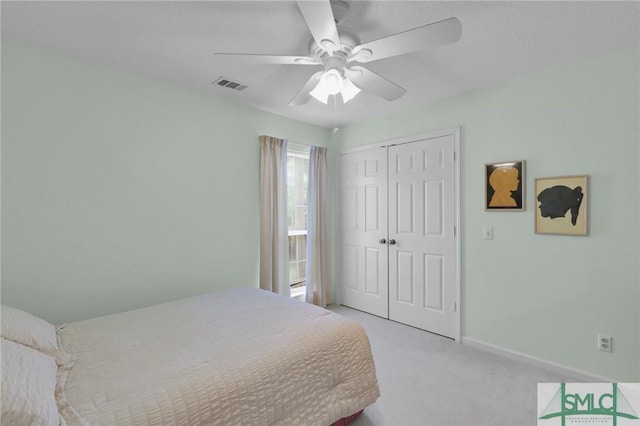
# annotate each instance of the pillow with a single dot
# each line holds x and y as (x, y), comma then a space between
(24, 328)
(28, 386)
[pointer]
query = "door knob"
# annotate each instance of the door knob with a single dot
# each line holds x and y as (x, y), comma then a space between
(392, 242)
(382, 241)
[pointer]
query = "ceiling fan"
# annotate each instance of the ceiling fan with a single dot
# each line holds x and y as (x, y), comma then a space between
(340, 53)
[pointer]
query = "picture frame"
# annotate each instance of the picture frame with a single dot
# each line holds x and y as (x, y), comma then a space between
(504, 186)
(562, 205)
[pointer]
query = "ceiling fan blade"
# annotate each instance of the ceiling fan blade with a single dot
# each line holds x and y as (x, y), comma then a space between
(270, 59)
(430, 35)
(319, 18)
(368, 80)
(303, 96)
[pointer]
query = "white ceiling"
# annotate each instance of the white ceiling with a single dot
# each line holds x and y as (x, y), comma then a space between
(176, 41)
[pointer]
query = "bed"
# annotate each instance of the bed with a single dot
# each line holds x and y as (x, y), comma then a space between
(236, 357)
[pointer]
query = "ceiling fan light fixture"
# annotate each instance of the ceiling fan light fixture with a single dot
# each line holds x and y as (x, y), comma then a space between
(333, 81)
(349, 90)
(320, 94)
(330, 83)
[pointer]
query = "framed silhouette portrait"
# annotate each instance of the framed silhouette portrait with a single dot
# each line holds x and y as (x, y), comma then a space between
(561, 205)
(504, 186)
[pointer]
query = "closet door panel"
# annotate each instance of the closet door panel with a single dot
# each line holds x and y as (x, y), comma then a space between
(422, 281)
(363, 275)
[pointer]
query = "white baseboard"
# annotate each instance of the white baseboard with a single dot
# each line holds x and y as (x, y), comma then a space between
(579, 375)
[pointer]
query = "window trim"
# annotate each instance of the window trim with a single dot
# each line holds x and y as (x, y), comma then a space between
(298, 150)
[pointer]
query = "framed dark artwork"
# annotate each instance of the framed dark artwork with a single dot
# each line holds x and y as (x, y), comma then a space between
(504, 186)
(561, 205)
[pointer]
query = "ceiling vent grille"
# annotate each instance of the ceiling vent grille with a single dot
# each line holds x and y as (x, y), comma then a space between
(226, 82)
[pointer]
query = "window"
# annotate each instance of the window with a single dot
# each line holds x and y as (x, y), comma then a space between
(297, 182)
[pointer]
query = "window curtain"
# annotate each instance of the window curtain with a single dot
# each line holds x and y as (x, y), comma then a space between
(274, 245)
(317, 270)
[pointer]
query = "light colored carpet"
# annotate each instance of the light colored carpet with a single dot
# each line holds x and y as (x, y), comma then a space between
(426, 379)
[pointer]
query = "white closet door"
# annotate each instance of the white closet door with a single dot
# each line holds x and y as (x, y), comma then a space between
(363, 277)
(422, 217)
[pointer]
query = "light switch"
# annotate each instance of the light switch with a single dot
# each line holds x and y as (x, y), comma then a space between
(488, 232)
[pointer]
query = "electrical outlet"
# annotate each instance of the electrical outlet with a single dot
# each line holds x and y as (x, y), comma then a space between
(605, 343)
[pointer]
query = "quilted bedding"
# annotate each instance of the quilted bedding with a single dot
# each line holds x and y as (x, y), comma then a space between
(237, 357)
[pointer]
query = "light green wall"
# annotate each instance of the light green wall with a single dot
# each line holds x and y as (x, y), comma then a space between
(543, 295)
(120, 191)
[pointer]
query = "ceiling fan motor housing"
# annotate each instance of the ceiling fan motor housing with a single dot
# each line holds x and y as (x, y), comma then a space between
(336, 62)
(348, 41)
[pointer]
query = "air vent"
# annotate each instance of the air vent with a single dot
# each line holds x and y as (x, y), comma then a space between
(225, 82)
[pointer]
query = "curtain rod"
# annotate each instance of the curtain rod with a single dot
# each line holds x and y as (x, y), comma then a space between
(291, 142)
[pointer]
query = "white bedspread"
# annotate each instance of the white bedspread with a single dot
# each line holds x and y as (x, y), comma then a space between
(237, 357)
